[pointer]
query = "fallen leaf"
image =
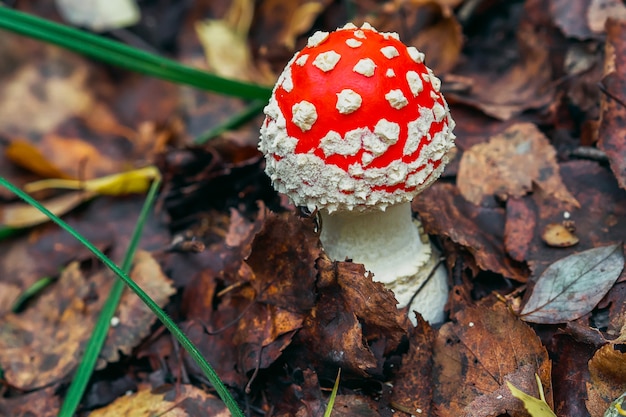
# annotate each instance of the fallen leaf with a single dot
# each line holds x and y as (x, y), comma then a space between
(600, 220)
(536, 407)
(617, 407)
(176, 401)
(525, 84)
(22, 215)
(30, 99)
(607, 369)
(134, 318)
(412, 385)
(441, 41)
(613, 110)
(573, 286)
(509, 165)
(27, 156)
(226, 46)
(558, 236)
(129, 182)
(474, 358)
(480, 230)
(99, 15)
(43, 344)
(40, 403)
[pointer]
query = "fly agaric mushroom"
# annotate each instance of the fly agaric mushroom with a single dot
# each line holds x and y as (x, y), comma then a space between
(355, 128)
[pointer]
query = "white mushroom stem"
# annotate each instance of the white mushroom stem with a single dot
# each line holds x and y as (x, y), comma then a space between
(390, 245)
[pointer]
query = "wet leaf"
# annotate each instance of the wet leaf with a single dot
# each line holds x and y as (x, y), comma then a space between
(573, 286)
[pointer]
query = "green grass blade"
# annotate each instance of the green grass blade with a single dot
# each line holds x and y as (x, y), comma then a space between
(191, 349)
(333, 395)
(31, 291)
(116, 53)
(98, 336)
(232, 123)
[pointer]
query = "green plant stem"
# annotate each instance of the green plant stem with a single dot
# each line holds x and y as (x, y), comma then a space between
(187, 344)
(116, 53)
(83, 374)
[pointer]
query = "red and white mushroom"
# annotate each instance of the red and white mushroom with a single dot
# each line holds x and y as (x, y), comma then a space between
(355, 128)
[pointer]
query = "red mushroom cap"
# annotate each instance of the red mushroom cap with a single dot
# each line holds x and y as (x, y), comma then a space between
(356, 121)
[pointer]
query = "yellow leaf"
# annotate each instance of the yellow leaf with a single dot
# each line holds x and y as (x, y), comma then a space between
(21, 215)
(536, 407)
(130, 182)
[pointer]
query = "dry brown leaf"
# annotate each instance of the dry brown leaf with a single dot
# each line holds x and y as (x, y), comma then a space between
(525, 85)
(602, 202)
(613, 110)
(43, 344)
(509, 165)
(441, 41)
(40, 403)
(607, 369)
(412, 385)
(478, 229)
(135, 318)
(476, 355)
(168, 400)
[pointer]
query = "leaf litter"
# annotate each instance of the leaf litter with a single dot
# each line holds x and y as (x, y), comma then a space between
(254, 290)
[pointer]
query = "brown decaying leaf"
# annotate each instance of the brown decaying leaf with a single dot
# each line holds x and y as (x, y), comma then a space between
(270, 289)
(509, 165)
(43, 344)
(569, 372)
(135, 318)
(526, 85)
(176, 401)
(43, 252)
(607, 369)
(613, 104)
(600, 220)
(479, 229)
(40, 403)
(474, 356)
(350, 311)
(412, 385)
